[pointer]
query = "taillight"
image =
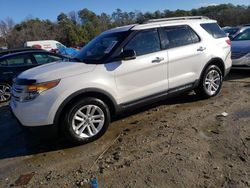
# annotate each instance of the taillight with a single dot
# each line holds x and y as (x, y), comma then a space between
(228, 41)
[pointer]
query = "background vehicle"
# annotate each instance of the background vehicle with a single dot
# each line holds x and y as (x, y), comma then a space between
(10, 51)
(241, 49)
(123, 68)
(231, 31)
(45, 44)
(13, 64)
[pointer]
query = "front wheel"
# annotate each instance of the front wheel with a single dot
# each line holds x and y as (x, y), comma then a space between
(86, 120)
(4, 92)
(211, 82)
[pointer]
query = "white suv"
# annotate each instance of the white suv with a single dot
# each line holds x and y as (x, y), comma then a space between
(121, 69)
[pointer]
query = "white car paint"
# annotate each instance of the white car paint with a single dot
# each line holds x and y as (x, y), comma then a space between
(126, 80)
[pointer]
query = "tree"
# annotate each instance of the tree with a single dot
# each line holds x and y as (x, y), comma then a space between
(5, 29)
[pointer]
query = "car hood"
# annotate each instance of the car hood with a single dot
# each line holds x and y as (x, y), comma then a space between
(56, 70)
(241, 46)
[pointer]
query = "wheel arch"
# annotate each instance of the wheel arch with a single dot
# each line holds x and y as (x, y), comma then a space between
(107, 98)
(214, 61)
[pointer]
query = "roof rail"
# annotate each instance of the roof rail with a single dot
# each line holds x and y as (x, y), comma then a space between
(177, 18)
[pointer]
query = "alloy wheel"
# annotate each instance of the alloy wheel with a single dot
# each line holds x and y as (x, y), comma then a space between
(4, 92)
(88, 121)
(212, 81)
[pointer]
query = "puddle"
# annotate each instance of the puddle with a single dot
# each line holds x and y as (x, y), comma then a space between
(242, 114)
(209, 131)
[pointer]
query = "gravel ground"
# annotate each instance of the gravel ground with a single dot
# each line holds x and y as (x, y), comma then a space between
(180, 142)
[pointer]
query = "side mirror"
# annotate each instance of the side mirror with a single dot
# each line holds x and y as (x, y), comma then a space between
(127, 55)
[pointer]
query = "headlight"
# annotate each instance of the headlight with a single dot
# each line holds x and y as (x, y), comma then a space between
(34, 90)
(42, 86)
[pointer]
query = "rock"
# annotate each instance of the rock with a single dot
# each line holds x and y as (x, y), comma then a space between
(120, 139)
(216, 168)
(242, 158)
(24, 179)
(126, 130)
(48, 177)
(206, 177)
(109, 161)
(117, 155)
(134, 122)
(127, 163)
(164, 171)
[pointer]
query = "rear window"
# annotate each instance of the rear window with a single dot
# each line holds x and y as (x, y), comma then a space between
(214, 30)
(179, 36)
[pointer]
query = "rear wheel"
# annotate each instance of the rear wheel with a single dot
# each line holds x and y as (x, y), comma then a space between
(86, 120)
(211, 82)
(5, 92)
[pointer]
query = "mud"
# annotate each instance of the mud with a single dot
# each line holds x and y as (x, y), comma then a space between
(179, 142)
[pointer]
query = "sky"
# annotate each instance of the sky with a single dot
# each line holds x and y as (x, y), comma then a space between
(20, 10)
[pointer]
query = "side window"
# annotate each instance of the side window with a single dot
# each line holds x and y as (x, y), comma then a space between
(145, 42)
(53, 58)
(180, 36)
(3, 63)
(214, 30)
(41, 58)
(46, 58)
(194, 36)
(22, 60)
(59, 45)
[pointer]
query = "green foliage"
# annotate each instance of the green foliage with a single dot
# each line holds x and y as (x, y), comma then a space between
(78, 28)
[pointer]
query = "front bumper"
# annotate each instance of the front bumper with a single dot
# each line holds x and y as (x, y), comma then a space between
(27, 115)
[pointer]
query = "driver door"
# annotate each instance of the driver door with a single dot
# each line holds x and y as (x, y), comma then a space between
(147, 74)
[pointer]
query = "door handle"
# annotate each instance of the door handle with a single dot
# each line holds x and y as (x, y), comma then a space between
(201, 49)
(158, 60)
(7, 72)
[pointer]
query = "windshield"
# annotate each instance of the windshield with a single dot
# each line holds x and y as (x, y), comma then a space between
(100, 47)
(231, 31)
(245, 35)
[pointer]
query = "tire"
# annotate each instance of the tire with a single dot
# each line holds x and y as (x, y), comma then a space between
(5, 92)
(86, 120)
(211, 82)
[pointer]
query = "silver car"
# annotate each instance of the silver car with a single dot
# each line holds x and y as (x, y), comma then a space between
(241, 49)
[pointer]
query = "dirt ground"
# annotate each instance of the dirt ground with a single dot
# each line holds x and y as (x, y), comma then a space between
(179, 142)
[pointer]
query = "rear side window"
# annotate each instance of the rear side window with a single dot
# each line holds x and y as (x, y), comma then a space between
(145, 42)
(22, 60)
(214, 30)
(179, 36)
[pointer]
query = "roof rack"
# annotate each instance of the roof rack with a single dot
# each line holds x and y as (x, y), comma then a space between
(177, 18)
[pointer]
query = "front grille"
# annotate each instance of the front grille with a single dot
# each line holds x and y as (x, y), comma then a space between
(238, 55)
(17, 90)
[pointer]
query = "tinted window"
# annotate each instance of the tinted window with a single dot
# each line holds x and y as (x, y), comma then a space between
(214, 30)
(3, 63)
(22, 60)
(245, 35)
(179, 36)
(145, 42)
(45, 58)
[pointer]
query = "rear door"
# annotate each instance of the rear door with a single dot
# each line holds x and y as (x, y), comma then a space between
(186, 55)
